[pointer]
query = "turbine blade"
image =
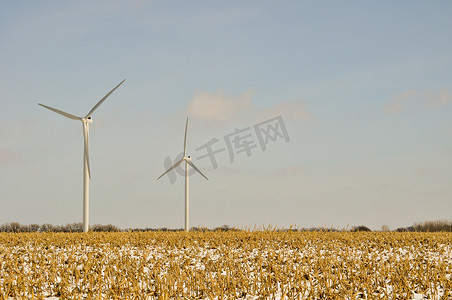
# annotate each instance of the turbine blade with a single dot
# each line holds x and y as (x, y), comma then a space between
(86, 150)
(185, 137)
(61, 112)
(194, 167)
(102, 100)
(170, 169)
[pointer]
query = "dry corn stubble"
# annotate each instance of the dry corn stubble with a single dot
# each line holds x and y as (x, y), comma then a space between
(234, 264)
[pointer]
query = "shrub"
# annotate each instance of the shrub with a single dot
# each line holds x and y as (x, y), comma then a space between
(360, 228)
(433, 226)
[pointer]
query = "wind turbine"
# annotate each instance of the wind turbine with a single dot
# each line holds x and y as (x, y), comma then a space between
(86, 170)
(188, 161)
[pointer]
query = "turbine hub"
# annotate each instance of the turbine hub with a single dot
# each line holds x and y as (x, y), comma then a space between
(88, 120)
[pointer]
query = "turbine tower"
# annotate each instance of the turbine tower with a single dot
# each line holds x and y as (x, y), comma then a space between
(188, 161)
(86, 170)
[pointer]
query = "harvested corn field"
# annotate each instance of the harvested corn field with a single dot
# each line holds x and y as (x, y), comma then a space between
(226, 265)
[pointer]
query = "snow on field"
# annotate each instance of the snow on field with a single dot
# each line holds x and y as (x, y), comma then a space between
(241, 265)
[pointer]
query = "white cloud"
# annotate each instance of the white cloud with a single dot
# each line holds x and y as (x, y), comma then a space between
(427, 172)
(296, 110)
(293, 170)
(8, 157)
(440, 100)
(217, 106)
(400, 102)
(20, 127)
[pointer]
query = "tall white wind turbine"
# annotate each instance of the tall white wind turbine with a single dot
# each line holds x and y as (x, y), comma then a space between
(86, 170)
(188, 161)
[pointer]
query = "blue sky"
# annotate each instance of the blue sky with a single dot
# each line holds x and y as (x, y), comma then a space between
(363, 88)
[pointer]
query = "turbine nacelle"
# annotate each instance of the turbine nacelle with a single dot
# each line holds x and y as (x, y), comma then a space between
(87, 120)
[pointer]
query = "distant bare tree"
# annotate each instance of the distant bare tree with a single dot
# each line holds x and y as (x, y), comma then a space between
(76, 227)
(47, 228)
(34, 228)
(433, 226)
(105, 228)
(15, 227)
(360, 228)
(385, 228)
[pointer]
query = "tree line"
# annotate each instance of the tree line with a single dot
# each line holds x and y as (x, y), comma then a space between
(426, 226)
(74, 227)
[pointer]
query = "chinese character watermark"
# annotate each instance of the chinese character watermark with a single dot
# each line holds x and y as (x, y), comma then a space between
(240, 142)
(271, 130)
(210, 152)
